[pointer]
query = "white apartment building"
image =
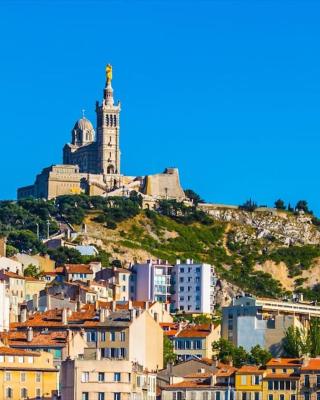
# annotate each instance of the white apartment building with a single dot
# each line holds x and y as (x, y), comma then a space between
(151, 281)
(193, 287)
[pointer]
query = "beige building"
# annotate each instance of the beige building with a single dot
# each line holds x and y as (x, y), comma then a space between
(33, 287)
(91, 162)
(15, 289)
(196, 340)
(106, 380)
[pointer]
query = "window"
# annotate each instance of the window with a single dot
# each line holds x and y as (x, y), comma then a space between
(293, 385)
(101, 376)
(117, 377)
(306, 396)
(318, 380)
(1, 359)
(10, 359)
(30, 360)
(281, 385)
(112, 336)
(270, 397)
(256, 396)
(100, 396)
(85, 377)
(38, 377)
(181, 279)
(20, 360)
(276, 385)
(9, 394)
(306, 380)
(270, 385)
(116, 396)
(122, 336)
(24, 393)
(243, 379)
(293, 397)
(256, 379)
(91, 336)
(38, 393)
(22, 377)
(281, 397)
(318, 395)
(85, 396)
(218, 396)
(244, 396)
(103, 336)
(8, 377)
(181, 269)
(124, 277)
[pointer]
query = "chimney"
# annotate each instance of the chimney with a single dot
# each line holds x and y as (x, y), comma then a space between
(23, 315)
(69, 312)
(78, 305)
(35, 302)
(215, 361)
(129, 304)
(48, 301)
(102, 315)
(132, 314)
(113, 305)
(64, 316)
(29, 334)
(147, 305)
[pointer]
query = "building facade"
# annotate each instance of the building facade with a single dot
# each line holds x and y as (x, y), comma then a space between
(193, 287)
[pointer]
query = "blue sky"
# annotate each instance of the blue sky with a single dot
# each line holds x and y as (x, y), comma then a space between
(227, 91)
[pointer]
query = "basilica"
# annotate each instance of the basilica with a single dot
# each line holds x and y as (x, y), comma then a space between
(91, 162)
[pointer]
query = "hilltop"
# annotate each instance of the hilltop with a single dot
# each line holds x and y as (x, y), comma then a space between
(265, 252)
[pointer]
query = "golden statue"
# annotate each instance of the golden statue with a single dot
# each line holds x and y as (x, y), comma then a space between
(109, 72)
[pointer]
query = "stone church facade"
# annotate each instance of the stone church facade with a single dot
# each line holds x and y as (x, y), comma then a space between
(91, 162)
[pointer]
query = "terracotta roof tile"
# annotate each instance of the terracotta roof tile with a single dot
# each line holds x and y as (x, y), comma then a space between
(282, 376)
(250, 369)
(17, 352)
(284, 362)
(78, 269)
(201, 330)
(313, 364)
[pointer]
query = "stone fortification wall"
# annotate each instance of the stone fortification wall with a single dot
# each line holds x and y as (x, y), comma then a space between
(165, 185)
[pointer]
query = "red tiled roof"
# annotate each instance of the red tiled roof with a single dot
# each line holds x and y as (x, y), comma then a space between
(13, 275)
(78, 269)
(17, 352)
(201, 330)
(284, 362)
(282, 376)
(250, 369)
(47, 339)
(188, 384)
(198, 375)
(313, 364)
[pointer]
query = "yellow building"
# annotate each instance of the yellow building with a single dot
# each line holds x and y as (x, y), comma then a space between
(27, 375)
(249, 382)
(281, 380)
(33, 286)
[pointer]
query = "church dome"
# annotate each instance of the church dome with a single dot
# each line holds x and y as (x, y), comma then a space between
(83, 124)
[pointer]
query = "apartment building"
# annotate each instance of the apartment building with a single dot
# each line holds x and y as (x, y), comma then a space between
(309, 382)
(151, 281)
(195, 341)
(27, 375)
(4, 306)
(194, 286)
(106, 380)
(15, 289)
(281, 379)
(249, 382)
(249, 322)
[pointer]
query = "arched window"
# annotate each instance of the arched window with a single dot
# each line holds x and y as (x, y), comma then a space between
(110, 169)
(107, 120)
(111, 120)
(115, 120)
(9, 394)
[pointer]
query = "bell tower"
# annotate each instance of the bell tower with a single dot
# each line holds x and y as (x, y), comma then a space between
(108, 126)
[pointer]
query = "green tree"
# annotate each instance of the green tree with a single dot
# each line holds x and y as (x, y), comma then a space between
(259, 356)
(248, 205)
(295, 342)
(302, 205)
(279, 204)
(11, 251)
(193, 196)
(65, 255)
(26, 242)
(32, 270)
(314, 337)
(168, 351)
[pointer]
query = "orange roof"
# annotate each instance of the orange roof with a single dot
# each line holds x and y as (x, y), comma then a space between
(284, 362)
(313, 364)
(198, 375)
(78, 269)
(225, 370)
(188, 384)
(32, 279)
(47, 339)
(250, 369)
(17, 352)
(13, 275)
(201, 330)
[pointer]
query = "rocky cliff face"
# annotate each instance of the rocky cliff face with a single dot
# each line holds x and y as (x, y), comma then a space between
(282, 227)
